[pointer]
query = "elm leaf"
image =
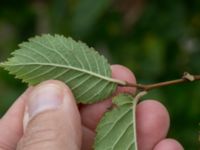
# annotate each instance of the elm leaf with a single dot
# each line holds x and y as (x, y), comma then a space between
(117, 129)
(45, 57)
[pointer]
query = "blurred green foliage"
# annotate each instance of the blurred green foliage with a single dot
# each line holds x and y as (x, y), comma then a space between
(157, 40)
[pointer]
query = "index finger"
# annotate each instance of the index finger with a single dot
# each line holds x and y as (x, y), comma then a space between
(91, 114)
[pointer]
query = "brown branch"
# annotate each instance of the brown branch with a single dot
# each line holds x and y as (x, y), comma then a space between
(185, 78)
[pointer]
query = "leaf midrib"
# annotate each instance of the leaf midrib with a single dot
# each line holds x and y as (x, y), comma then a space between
(69, 67)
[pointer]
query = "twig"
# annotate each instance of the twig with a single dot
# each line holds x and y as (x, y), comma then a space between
(185, 78)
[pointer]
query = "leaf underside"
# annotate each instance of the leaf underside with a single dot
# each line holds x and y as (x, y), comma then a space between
(45, 57)
(116, 130)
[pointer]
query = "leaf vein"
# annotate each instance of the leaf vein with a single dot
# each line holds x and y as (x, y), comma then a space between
(41, 74)
(114, 124)
(32, 70)
(73, 68)
(74, 77)
(86, 58)
(123, 133)
(100, 90)
(82, 82)
(35, 50)
(60, 74)
(53, 50)
(25, 56)
(87, 90)
(70, 50)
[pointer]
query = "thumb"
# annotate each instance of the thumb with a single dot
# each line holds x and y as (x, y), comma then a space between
(53, 119)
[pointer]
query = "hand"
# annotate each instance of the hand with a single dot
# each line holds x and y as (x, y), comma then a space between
(52, 120)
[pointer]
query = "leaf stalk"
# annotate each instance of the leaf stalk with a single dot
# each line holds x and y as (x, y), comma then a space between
(187, 77)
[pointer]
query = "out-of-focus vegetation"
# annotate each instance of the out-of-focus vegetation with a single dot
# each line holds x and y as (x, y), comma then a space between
(158, 40)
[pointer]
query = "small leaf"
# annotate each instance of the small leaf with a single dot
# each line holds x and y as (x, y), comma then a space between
(123, 99)
(55, 57)
(117, 129)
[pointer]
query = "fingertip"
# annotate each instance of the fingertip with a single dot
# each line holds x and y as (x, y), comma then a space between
(123, 73)
(49, 94)
(152, 121)
(57, 83)
(153, 110)
(167, 144)
(153, 107)
(51, 108)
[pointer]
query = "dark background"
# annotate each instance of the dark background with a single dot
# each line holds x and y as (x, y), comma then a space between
(157, 40)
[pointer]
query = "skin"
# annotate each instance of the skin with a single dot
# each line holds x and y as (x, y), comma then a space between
(72, 127)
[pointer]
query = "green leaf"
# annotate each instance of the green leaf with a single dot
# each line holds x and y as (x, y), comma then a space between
(123, 99)
(55, 57)
(117, 129)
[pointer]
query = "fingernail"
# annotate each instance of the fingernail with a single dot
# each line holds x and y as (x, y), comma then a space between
(44, 97)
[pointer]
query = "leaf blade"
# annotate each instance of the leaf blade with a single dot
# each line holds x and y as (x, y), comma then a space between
(60, 58)
(116, 130)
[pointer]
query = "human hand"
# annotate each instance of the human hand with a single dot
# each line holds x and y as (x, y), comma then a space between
(52, 120)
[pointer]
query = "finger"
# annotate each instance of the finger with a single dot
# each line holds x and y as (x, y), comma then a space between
(54, 120)
(123, 73)
(88, 138)
(152, 123)
(11, 127)
(91, 114)
(168, 144)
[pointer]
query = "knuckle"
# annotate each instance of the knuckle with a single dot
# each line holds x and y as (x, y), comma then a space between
(39, 137)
